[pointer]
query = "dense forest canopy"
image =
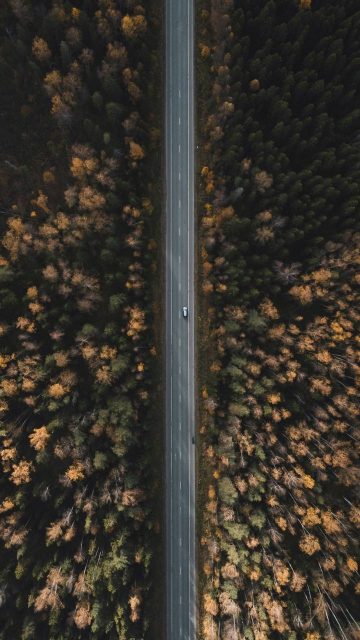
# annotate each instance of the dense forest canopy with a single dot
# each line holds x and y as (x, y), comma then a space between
(280, 274)
(279, 255)
(77, 350)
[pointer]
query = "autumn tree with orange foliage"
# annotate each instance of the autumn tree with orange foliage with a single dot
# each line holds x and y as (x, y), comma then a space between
(77, 529)
(279, 258)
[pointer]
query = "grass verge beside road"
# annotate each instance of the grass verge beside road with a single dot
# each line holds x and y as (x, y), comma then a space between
(157, 599)
(203, 339)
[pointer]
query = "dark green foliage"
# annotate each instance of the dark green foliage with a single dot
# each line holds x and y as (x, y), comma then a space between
(300, 127)
(280, 252)
(76, 522)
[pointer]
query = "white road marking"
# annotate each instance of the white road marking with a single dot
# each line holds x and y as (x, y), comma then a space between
(191, 419)
(171, 332)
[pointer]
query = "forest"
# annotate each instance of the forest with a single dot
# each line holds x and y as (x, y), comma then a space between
(278, 324)
(78, 354)
(279, 280)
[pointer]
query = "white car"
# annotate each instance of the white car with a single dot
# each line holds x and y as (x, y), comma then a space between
(185, 312)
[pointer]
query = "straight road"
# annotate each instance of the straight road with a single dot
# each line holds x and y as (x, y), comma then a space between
(180, 387)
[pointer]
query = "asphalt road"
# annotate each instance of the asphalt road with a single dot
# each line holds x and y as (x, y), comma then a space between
(180, 388)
